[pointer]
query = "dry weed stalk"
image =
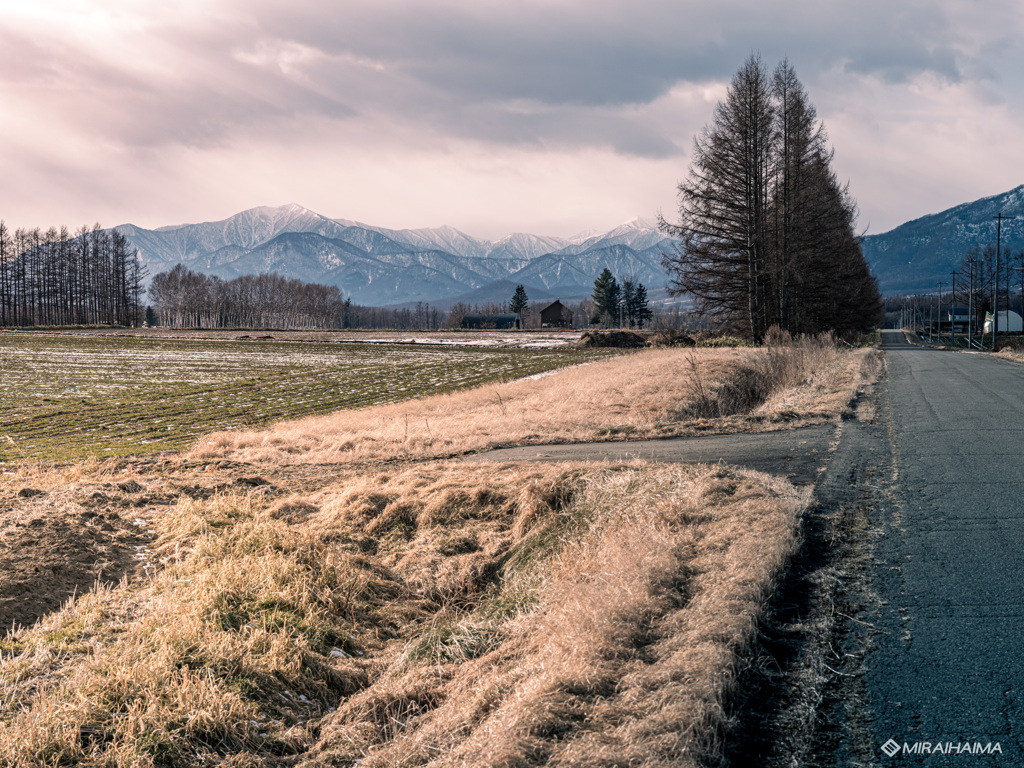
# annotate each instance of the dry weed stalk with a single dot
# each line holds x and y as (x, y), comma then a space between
(437, 615)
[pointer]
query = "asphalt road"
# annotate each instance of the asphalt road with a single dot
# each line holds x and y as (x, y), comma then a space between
(947, 666)
(799, 454)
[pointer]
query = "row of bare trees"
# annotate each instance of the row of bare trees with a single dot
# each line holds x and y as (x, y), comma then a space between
(89, 277)
(766, 231)
(182, 298)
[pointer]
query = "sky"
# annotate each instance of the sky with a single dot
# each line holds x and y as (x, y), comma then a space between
(544, 116)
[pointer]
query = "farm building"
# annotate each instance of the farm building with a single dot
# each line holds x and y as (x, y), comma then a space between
(556, 315)
(958, 317)
(491, 322)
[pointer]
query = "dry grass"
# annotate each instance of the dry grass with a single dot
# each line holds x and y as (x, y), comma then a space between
(478, 615)
(437, 614)
(1013, 351)
(653, 393)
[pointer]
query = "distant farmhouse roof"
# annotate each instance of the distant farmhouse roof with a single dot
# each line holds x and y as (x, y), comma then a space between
(556, 315)
(486, 322)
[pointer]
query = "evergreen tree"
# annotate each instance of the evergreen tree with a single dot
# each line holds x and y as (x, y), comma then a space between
(638, 311)
(628, 290)
(519, 301)
(723, 206)
(606, 299)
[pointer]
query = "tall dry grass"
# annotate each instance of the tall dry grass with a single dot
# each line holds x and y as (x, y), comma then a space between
(628, 657)
(435, 615)
(652, 393)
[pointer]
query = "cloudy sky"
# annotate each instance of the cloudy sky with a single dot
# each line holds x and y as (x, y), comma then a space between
(545, 116)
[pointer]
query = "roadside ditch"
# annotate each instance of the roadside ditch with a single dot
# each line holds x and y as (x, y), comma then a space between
(802, 698)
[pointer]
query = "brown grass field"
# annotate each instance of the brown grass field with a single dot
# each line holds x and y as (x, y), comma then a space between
(334, 592)
(653, 393)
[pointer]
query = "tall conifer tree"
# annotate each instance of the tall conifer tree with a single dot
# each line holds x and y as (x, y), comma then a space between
(766, 232)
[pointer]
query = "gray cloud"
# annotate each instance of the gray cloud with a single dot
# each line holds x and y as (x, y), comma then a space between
(583, 70)
(449, 62)
(386, 78)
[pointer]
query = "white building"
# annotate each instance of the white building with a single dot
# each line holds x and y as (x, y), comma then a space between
(1009, 322)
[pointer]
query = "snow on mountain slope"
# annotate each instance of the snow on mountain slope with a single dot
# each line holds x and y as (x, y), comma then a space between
(442, 238)
(375, 265)
(248, 229)
(523, 247)
(568, 269)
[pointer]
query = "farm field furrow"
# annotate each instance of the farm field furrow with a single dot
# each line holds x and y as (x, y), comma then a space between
(70, 397)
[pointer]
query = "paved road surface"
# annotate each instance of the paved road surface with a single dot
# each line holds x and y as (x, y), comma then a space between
(948, 665)
(798, 454)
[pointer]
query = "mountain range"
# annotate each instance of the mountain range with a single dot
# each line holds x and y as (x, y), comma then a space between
(914, 257)
(378, 266)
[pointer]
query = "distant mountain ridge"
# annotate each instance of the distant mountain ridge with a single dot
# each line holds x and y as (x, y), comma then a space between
(916, 256)
(377, 266)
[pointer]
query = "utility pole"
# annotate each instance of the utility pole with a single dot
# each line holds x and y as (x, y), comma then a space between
(970, 307)
(938, 311)
(952, 308)
(995, 293)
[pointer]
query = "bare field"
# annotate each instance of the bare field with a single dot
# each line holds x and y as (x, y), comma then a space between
(546, 338)
(68, 396)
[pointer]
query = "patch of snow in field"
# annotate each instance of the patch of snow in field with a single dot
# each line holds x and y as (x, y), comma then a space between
(544, 374)
(499, 340)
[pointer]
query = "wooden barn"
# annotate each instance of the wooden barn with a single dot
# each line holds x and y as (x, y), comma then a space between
(556, 315)
(491, 322)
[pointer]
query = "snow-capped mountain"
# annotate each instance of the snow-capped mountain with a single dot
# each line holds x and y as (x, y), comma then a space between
(375, 265)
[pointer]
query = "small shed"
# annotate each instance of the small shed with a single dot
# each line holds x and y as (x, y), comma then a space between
(491, 322)
(556, 315)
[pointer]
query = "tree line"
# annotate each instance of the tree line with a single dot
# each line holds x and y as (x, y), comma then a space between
(766, 231)
(55, 277)
(182, 298)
